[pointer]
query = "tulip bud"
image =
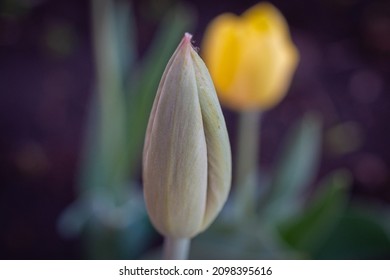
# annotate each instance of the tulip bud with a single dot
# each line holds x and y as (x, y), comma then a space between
(187, 158)
(251, 57)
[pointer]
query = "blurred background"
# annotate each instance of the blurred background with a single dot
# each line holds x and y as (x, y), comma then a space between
(68, 67)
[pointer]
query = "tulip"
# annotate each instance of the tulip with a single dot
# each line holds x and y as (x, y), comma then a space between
(187, 158)
(251, 60)
(251, 57)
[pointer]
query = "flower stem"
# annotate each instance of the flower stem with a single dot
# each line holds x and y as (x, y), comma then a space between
(247, 162)
(176, 248)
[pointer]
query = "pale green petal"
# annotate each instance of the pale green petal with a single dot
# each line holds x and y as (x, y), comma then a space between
(218, 147)
(187, 158)
(175, 173)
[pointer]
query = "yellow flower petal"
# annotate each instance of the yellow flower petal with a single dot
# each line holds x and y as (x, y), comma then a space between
(251, 58)
(223, 40)
(265, 18)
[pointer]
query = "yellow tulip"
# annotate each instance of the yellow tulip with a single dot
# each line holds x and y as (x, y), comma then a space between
(187, 158)
(251, 57)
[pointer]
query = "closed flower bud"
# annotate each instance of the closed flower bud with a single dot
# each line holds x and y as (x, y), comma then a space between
(251, 57)
(187, 158)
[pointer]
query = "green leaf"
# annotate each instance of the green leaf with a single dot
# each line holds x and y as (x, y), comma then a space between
(125, 36)
(296, 167)
(309, 230)
(103, 242)
(360, 234)
(227, 239)
(102, 169)
(73, 219)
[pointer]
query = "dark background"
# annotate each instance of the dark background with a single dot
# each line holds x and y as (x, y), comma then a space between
(47, 76)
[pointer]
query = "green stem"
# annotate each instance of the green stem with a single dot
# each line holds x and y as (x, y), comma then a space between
(176, 248)
(246, 163)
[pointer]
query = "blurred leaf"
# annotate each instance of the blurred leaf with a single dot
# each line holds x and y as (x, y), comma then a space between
(102, 167)
(224, 240)
(247, 177)
(308, 231)
(134, 240)
(144, 83)
(114, 231)
(99, 241)
(358, 235)
(296, 167)
(92, 175)
(125, 37)
(228, 239)
(103, 242)
(101, 206)
(216, 249)
(72, 221)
